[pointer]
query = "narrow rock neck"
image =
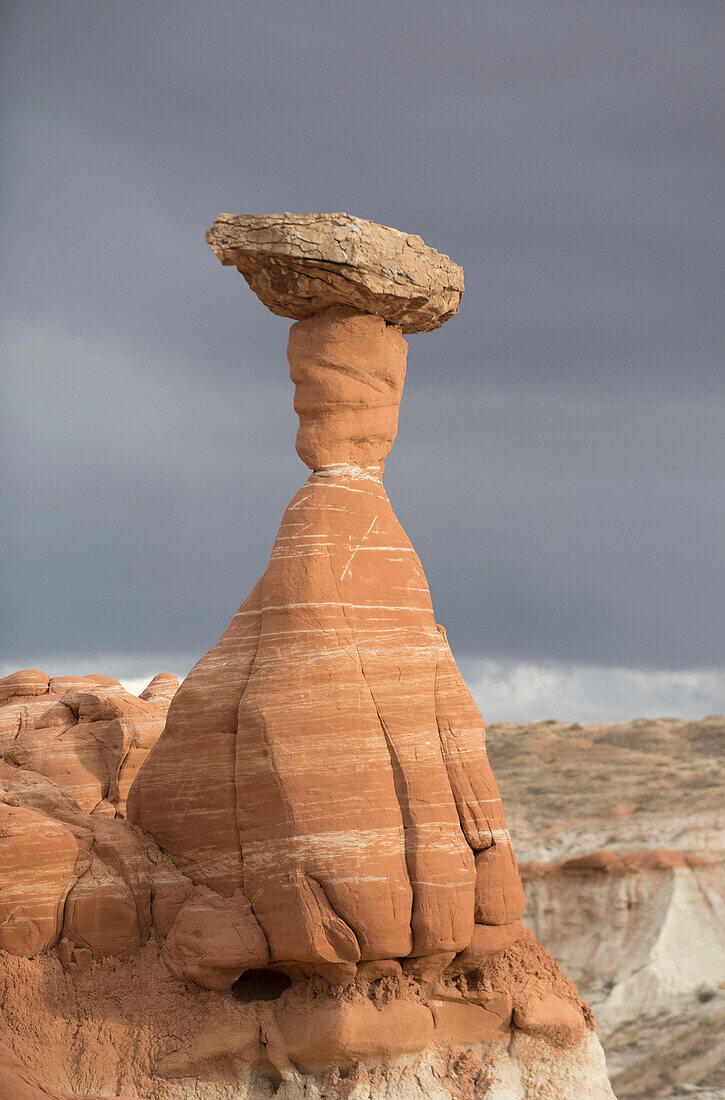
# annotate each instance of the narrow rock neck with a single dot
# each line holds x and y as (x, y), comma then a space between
(348, 369)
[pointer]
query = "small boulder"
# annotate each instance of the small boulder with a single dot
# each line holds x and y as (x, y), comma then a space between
(214, 939)
(342, 1033)
(487, 940)
(549, 1015)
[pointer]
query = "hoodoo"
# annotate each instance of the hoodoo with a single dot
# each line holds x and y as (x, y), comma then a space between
(325, 760)
(315, 882)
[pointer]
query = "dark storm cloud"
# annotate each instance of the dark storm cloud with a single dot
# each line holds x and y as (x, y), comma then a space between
(560, 459)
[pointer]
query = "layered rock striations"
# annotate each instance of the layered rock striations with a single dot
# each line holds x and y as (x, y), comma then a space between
(73, 873)
(635, 932)
(352, 801)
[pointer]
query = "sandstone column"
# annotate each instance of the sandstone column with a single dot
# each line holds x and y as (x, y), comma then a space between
(324, 763)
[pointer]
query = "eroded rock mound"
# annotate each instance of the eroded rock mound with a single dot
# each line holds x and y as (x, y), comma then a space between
(130, 1026)
(85, 733)
(69, 878)
(161, 690)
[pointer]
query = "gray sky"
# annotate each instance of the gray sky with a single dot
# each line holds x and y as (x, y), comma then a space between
(560, 461)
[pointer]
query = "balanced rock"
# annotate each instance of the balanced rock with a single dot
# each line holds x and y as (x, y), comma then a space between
(318, 828)
(325, 757)
(301, 264)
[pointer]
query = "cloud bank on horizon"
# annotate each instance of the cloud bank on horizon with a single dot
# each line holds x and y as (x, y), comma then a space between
(508, 691)
(560, 464)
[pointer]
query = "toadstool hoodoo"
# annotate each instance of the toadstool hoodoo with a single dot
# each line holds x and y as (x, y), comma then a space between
(314, 892)
(352, 801)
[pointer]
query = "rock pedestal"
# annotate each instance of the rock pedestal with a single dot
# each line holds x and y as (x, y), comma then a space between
(316, 838)
(325, 758)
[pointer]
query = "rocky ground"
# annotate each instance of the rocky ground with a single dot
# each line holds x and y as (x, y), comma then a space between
(644, 942)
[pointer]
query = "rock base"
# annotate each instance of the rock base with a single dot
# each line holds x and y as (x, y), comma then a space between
(130, 1028)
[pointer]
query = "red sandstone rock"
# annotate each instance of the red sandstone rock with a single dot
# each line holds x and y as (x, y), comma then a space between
(37, 861)
(548, 1015)
(346, 1032)
(26, 683)
(592, 861)
(60, 684)
(608, 863)
(161, 690)
(109, 909)
(499, 891)
(426, 968)
(486, 940)
(66, 873)
(23, 696)
(336, 657)
(170, 891)
(214, 939)
(348, 369)
(91, 741)
(185, 794)
(462, 1022)
(660, 859)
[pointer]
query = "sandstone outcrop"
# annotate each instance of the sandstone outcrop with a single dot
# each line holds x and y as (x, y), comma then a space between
(69, 876)
(86, 734)
(643, 936)
(38, 856)
(131, 1027)
(644, 908)
(398, 845)
(25, 684)
(301, 264)
(161, 690)
(72, 874)
(314, 891)
(26, 694)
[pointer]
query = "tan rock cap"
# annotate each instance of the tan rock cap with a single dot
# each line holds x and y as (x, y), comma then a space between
(300, 264)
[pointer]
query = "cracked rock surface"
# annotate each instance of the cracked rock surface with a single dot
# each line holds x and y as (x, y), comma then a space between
(301, 264)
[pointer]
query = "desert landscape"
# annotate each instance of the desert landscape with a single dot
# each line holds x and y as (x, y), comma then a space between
(620, 835)
(291, 875)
